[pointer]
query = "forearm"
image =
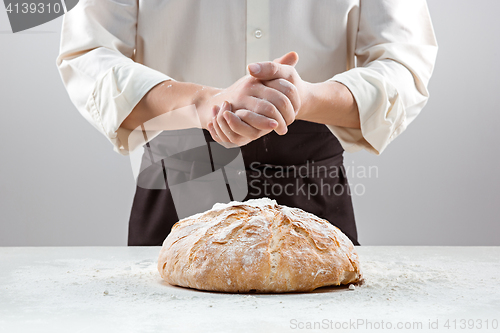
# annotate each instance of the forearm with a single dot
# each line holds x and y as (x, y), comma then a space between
(166, 97)
(330, 103)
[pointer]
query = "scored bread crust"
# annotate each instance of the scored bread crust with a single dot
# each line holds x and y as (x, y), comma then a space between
(257, 246)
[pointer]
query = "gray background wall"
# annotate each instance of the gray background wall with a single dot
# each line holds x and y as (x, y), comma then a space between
(437, 184)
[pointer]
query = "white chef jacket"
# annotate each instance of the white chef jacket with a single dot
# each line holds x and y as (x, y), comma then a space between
(114, 51)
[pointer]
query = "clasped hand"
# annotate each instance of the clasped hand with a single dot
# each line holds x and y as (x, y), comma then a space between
(268, 99)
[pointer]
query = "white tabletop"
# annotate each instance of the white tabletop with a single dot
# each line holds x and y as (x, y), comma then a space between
(118, 289)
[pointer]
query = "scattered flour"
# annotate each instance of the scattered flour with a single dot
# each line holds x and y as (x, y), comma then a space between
(68, 287)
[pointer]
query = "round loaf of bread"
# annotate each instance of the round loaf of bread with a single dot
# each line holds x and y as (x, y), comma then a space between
(257, 246)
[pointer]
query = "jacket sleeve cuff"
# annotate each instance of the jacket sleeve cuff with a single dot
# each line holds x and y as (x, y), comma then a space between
(381, 111)
(115, 95)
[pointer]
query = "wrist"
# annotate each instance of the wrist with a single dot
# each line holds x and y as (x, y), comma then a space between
(308, 101)
(330, 103)
(203, 101)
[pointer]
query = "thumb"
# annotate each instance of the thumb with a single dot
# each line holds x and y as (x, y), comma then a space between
(291, 58)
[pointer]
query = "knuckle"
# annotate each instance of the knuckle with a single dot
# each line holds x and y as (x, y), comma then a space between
(240, 94)
(260, 108)
(286, 87)
(282, 103)
(268, 110)
(248, 84)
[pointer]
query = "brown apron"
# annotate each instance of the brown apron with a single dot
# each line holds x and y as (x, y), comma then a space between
(303, 169)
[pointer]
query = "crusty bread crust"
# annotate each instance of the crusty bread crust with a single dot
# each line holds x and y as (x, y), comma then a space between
(257, 246)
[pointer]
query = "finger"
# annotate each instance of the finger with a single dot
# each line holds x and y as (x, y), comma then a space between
(291, 58)
(224, 126)
(210, 125)
(213, 133)
(238, 126)
(270, 70)
(288, 89)
(256, 120)
(270, 103)
(279, 100)
(257, 103)
(218, 130)
(224, 142)
(267, 109)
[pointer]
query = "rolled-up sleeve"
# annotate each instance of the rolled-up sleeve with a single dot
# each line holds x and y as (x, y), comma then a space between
(395, 52)
(96, 65)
